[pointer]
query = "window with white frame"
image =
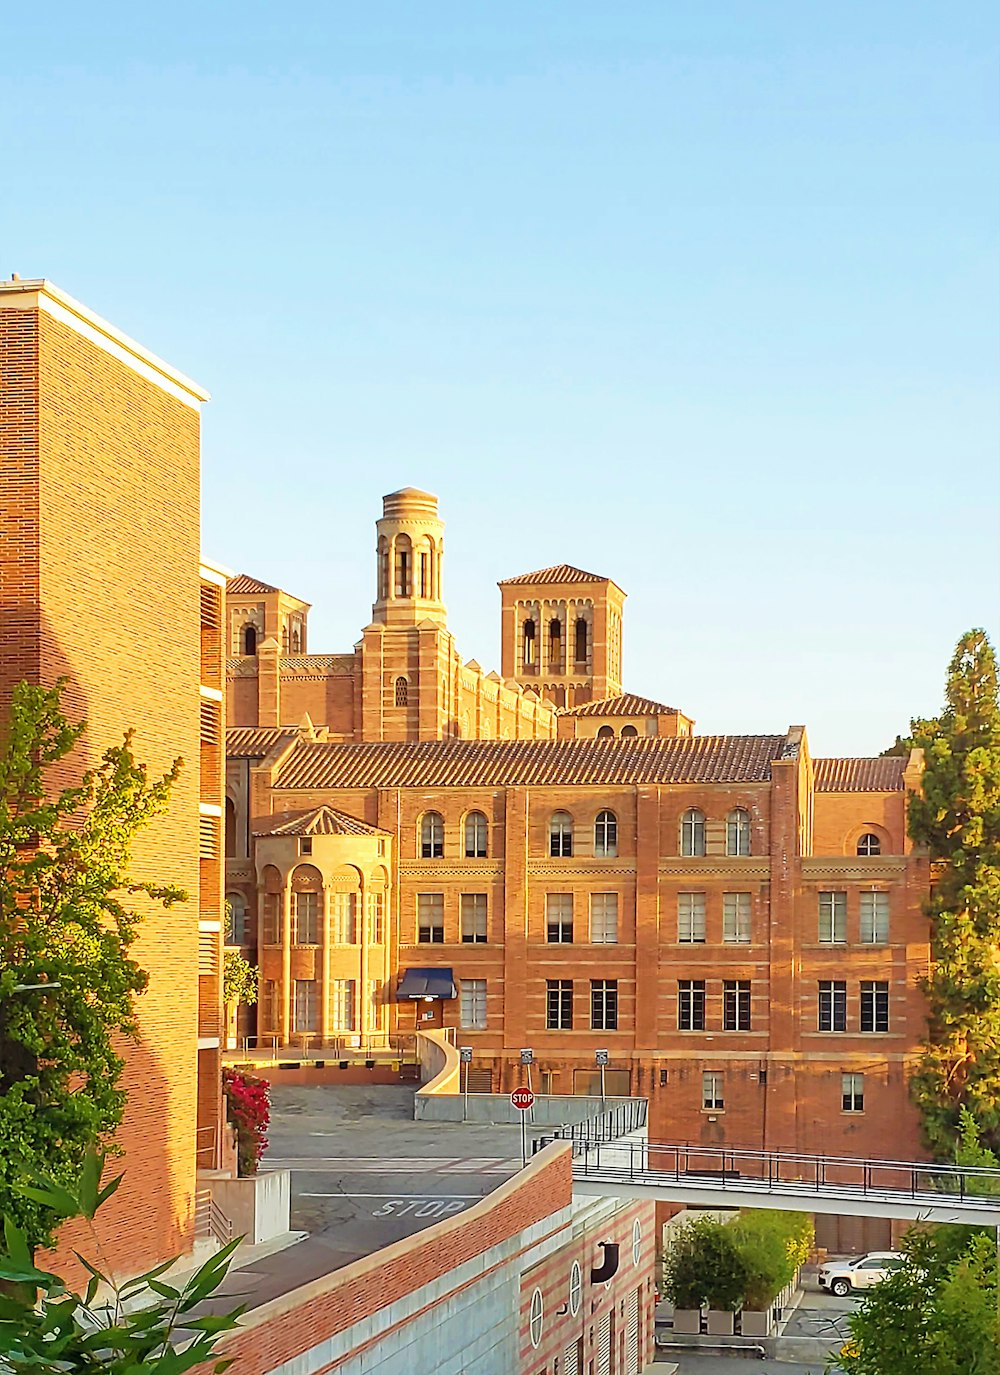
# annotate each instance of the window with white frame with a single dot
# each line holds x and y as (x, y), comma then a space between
(473, 906)
(691, 918)
(738, 832)
(606, 835)
(852, 1090)
(343, 918)
(536, 1318)
(559, 1004)
(604, 1004)
(736, 918)
(874, 1006)
(636, 1242)
(604, 918)
(560, 835)
(875, 918)
(476, 836)
(736, 1005)
(431, 836)
(691, 1005)
(833, 918)
(430, 918)
(712, 1093)
(832, 1005)
(376, 918)
(575, 1288)
(559, 918)
(305, 919)
(693, 833)
(472, 1004)
(869, 845)
(306, 1010)
(342, 1004)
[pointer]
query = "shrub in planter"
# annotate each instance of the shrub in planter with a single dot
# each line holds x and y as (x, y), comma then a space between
(248, 1109)
(773, 1246)
(704, 1266)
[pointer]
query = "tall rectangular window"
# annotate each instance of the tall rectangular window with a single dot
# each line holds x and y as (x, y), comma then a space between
(691, 918)
(874, 1007)
(833, 918)
(376, 918)
(559, 1004)
(712, 1096)
(875, 918)
(342, 1004)
(691, 1005)
(272, 918)
(832, 1005)
(343, 913)
(472, 1004)
(376, 1006)
(306, 1008)
(430, 918)
(603, 918)
(736, 1005)
(736, 909)
(473, 918)
(604, 1004)
(559, 918)
(305, 923)
(269, 1005)
(852, 1087)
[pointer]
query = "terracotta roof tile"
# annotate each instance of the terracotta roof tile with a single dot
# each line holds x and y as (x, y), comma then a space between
(254, 742)
(883, 775)
(532, 763)
(628, 704)
(244, 586)
(318, 821)
(560, 572)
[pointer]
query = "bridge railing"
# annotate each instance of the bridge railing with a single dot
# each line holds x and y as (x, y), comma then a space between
(627, 1116)
(737, 1169)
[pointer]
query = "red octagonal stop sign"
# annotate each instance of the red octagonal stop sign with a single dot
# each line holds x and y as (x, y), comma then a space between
(522, 1099)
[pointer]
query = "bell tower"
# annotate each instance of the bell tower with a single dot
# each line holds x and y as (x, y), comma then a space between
(410, 557)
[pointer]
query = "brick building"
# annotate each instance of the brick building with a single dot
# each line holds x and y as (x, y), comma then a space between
(544, 860)
(101, 583)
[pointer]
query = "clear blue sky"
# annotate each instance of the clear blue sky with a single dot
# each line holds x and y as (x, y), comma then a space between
(702, 296)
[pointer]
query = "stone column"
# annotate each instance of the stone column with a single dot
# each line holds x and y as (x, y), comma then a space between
(286, 962)
(364, 1002)
(325, 984)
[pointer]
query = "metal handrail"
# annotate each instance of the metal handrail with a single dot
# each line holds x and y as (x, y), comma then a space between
(209, 1219)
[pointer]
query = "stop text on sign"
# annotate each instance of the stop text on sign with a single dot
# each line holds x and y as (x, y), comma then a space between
(522, 1099)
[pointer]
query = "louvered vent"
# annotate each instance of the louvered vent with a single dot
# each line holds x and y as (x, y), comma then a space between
(211, 607)
(208, 839)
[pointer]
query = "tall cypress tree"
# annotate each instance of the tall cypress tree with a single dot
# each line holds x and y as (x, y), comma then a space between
(958, 819)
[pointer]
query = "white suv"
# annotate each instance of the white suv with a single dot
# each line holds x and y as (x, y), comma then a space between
(840, 1277)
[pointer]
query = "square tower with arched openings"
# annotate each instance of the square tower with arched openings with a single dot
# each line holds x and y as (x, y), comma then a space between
(561, 634)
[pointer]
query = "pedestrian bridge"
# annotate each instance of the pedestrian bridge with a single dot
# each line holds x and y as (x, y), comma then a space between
(717, 1177)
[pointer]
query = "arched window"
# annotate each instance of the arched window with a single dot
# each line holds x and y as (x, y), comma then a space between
(250, 639)
(404, 566)
(383, 568)
(431, 836)
(580, 642)
(560, 835)
(529, 643)
(869, 844)
(606, 834)
(606, 733)
(476, 833)
(629, 732)
(231, 829)
(296, 640)
(402, 692)
(536, 1318)
(555, 643)
(738, 832)
(693, 832)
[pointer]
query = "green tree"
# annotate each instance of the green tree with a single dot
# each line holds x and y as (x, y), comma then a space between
(936, 1313)
(144, 1324)
(239, 979)
(705, 1266)
(67, 982)
(958, 819)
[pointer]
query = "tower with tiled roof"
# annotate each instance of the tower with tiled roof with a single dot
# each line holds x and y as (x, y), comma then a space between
(561, 634)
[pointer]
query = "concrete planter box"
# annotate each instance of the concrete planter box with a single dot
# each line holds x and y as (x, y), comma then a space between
(687, 1321)
(257, 1206)
(721, 1323)
(754, 1323)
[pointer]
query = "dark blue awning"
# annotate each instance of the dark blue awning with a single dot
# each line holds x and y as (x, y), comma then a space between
(426, 983)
